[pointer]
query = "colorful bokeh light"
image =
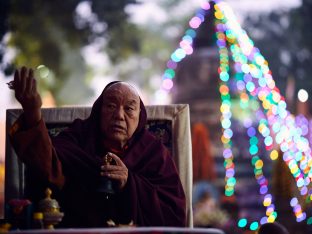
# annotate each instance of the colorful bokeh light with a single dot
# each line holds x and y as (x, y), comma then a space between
(282, 134)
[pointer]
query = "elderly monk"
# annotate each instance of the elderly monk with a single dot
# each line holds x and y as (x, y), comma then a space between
(148, 191)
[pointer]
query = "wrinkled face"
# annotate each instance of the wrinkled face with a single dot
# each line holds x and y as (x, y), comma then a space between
(119, 114)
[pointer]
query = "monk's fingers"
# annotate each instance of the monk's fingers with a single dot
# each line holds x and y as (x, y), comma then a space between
(118, 177)
(16, 80)
(33, 80)
(34, 86)
(121, 178)
(22, 79)
(24, 72)
(19, 83)
(17, 77)
(118, 161)
(114, 168)
(29, 86)
(31, 73)
(115, 174)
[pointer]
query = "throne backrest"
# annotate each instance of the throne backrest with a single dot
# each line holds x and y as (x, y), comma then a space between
(170, 123)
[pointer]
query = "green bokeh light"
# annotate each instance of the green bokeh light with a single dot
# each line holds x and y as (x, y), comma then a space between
(242, 223)
(254, 226)
(253, 149)
(229, 193)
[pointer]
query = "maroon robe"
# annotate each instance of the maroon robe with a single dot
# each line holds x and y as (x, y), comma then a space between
(70, 165)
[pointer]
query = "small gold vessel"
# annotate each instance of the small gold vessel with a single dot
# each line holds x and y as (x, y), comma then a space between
(51, 210)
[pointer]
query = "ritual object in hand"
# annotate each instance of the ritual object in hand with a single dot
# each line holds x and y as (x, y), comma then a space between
(106, 184)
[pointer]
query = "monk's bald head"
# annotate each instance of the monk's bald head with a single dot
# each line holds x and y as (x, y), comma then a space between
(123, 86)
(120, 113)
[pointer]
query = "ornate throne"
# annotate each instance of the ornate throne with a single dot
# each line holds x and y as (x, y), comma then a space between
(171, 123)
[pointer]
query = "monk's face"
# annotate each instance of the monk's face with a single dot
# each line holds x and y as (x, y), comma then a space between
(120, 114)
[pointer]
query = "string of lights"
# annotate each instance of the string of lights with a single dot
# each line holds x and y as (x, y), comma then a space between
(185, 47)
(256, 161)
(276, 124)
(225, 109)
(287, 135)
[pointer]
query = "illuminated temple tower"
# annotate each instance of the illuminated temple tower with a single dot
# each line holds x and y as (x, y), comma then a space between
(241, 123)
(197, 83)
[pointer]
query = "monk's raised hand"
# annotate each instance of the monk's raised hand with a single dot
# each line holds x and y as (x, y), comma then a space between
(118, 172)
(25, 87)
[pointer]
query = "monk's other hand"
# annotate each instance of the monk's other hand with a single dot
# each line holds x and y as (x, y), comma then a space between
(117, 172)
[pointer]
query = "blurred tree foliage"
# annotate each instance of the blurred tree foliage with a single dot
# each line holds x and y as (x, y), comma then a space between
(53, 32)
(4, 5)
(157, 41)
(285, 40)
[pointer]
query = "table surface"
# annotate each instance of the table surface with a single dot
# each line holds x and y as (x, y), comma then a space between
(123, 230)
